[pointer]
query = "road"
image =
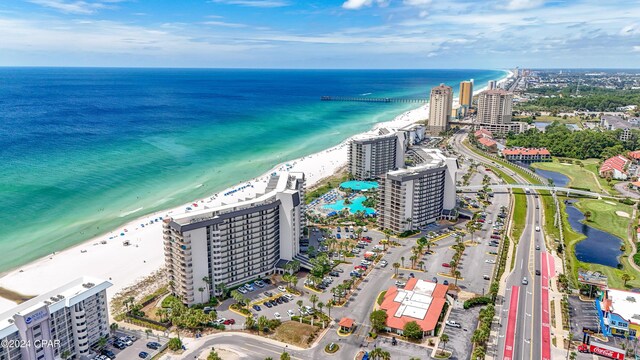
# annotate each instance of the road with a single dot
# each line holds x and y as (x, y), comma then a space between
(520, 333)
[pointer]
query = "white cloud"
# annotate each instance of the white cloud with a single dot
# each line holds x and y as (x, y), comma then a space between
(358, 4)
(71, 7)
(423, 14)
(224, 24)
(418, 3)
(255, 3)
(523, 4)
(629, 30)
(636, 48)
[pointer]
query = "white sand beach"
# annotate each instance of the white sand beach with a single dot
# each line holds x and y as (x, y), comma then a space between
(106, 257)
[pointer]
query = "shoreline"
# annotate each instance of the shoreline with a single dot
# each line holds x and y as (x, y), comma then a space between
(105, 256)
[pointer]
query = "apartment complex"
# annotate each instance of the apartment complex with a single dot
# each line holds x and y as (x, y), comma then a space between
(526, 155)
(234, 243)
(419, 195)
(495, 112)
(372, 155)
(60, 324)
(466, 93)
(611, 122)
(492, 85)
(440, 105)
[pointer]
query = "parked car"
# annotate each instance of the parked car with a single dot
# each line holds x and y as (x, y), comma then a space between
(267, 304)
(242, 290)
(453, 324)
(290, 312)
(446, 282)
(486, 277)
(282, 288)
(384, 263)
(248, 287)
(229, 322)
(109, 354)
(446, 265)
(119, 345)
(259, 283)
(268, 293)
(434, 279)
(256, 308)
(277, 316)
(143, 354)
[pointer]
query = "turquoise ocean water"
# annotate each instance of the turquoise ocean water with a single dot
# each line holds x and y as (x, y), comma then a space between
(85, 150)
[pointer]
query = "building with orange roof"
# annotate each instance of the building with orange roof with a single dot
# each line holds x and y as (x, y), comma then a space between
(615, 168)
(346, 324)
(483, 133)
(420, 301)
(526, 154)
(488, 144)
(634, 155)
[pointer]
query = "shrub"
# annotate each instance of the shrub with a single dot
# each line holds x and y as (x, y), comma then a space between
(174, 344)
(480, 300)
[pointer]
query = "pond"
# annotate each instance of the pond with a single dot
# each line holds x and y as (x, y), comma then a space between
(598, 247)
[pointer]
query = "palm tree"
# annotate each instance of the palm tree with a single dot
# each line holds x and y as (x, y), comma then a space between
(285, 356)
(413, 259)
(320, 306)
(396, 266)
(249, 323)
(314, 299)
(421, 263)
(66, 354)
(387, 236)
(113, 327)
(379, 354)
(148, 332)
(207, 281)
(457, 275)
(222, 289)
(402, 259)
(329, 305)
(587, 215)
(263, 322)
(201, 289)
(444, 338)
(625, 277)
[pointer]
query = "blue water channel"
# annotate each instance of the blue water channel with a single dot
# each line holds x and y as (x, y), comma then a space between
(598, 247)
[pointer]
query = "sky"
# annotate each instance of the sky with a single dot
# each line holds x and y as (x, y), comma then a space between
(416, 34)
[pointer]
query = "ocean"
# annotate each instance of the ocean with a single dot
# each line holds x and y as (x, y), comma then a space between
(85, 150)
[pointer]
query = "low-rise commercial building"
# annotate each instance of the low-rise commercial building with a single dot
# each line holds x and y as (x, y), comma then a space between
(420, 301)
(526, 155)
(232, 244)
(619, 313)
(60, 324)
(488, 144)
(372, 155)
(418, 195)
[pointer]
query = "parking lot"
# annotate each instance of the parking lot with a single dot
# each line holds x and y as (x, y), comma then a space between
(459, 338)
(583, 314)
(137, 346)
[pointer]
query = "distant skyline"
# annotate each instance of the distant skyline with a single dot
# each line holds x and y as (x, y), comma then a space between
(321, 34)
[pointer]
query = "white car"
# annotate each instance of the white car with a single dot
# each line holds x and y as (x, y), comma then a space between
(489, 261)
(384, 263)
(365, 262)
(221, 320)
(453, 324)
(290, 312)
(277, 316)
(282, 288)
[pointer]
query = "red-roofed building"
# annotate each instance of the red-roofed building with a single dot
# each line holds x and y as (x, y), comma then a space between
(526, 154)
(615, 168)
(346, 324)
(420, 301)
(488, 144)
(483, 133)
(635, 156)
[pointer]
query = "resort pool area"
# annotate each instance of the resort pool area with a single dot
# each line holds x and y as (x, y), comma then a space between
(355, 206)
(357, 185)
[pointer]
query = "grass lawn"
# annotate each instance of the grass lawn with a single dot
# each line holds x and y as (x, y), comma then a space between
(578, 176)
(325, 185)
(603, 217)
(295, 333)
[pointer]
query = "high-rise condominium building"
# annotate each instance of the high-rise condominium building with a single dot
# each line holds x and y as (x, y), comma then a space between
(61, 324)
(440, 104)
(234, 243)
(372, 155)
(492, 85)
(495, 106)
(466, 93)
(416, 196)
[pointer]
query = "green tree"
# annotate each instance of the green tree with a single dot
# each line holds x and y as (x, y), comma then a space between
(113, 327)
(314, 299)
(102, 342)
(444, 339)
(412, 330)
(249, 323)
(625, 277)
(587, 215)
(379, 354)
(402, 260)
(378, 320)
(66, 354)
(285, 356)
(213, 355)
(174, 344)
(148, 332)
(329, 305)
(263, 323)
(396, 266)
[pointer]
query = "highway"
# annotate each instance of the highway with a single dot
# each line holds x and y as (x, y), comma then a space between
(520, 334)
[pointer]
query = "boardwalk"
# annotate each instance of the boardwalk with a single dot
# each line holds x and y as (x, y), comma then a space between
(373, 100)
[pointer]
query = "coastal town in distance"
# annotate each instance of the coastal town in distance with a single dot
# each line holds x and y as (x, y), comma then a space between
(499, 223)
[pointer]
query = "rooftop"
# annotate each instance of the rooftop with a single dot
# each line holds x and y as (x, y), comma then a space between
(277, 184)
(64, 296)
(526, 151)
(420, 301)
(626, 304)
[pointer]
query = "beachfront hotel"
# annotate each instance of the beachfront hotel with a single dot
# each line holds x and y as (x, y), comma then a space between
(495, 112)
(440, 105)
(234, 243)
(419, 195)
(60, 324)
(466, 93)
(372, 155)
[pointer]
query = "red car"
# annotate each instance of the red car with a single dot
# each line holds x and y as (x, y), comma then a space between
(367, 239)
(229, 322)
(360, 267)
(446, 265)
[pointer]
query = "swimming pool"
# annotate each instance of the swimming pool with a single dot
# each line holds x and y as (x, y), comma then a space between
(355, 206)
(359, 185)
